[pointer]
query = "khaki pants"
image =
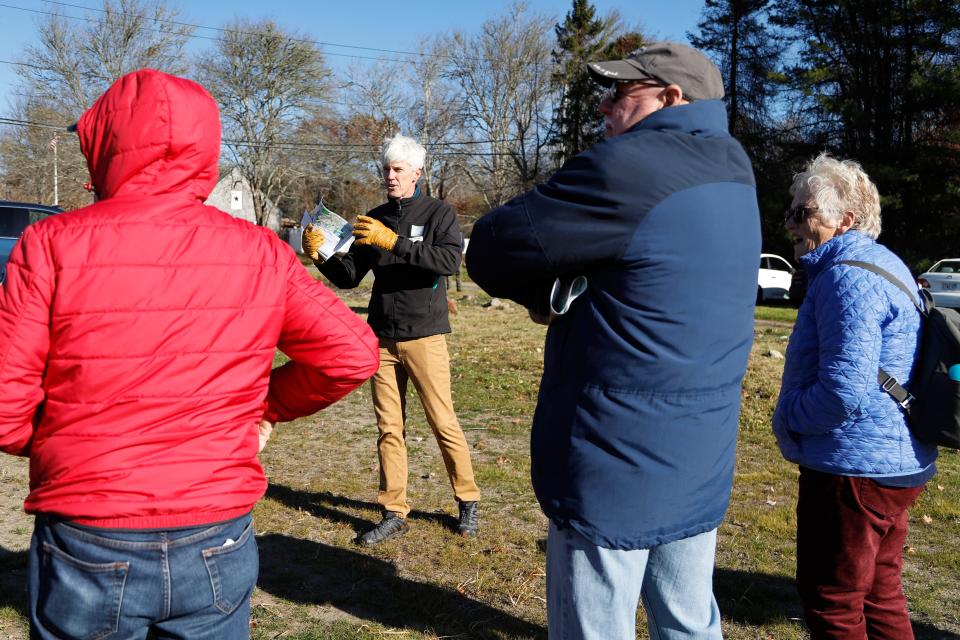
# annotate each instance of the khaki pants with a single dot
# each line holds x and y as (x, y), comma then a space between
(427, 363)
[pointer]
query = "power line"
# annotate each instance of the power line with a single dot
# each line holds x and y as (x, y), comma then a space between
(322, 100)
(222, 30)
(346, 150)
(364, 145)
(27, 123)
(64, 15)
(239, 32)
(349, 148)
(307, 146)
(191, 35)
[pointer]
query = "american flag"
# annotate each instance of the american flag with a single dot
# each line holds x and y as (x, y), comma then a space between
(54, 142)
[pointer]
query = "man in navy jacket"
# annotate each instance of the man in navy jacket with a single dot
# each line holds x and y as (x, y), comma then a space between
(635, 429)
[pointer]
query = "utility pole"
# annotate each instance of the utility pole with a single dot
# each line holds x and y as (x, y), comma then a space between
(56, 190)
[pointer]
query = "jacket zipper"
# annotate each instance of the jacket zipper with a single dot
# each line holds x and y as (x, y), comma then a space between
(393, 307)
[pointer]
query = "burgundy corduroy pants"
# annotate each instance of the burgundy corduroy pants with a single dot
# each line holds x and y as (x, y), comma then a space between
(850, 536)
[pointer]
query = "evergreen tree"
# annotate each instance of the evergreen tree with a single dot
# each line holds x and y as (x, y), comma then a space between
(740, 39)
(576, 122)
(878, 82)
(622, 46)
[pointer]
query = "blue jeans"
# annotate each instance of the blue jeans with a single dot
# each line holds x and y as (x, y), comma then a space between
(592, 592)
(90, 583)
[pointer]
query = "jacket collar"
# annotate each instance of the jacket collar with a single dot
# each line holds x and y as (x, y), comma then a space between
(831, 252)
(706, 118)
(405, 201)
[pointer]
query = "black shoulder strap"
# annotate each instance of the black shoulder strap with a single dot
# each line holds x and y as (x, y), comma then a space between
(889, 277)
(890, 384)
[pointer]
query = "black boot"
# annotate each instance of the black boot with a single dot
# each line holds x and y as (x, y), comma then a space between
(391, 526)
(469, 519)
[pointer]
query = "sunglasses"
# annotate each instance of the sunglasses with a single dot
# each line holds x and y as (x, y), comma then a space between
(616, 91)
(798, 214)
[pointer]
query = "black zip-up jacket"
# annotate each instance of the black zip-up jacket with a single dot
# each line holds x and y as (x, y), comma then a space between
(409, 298)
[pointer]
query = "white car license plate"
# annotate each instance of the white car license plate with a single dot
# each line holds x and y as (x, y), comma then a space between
(951, 286)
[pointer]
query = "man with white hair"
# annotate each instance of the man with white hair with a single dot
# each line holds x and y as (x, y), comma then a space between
(410, 242)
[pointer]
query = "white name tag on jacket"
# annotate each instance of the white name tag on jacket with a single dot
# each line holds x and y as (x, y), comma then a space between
(416, 233)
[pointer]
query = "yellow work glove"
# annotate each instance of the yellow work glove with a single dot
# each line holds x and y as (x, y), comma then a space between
(374, 233)
(312, 240)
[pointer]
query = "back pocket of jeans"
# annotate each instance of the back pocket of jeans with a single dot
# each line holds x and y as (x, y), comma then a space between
(233, 570)
(80, 599)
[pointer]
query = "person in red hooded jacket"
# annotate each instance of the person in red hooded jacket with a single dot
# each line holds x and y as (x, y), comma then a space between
(135, 370)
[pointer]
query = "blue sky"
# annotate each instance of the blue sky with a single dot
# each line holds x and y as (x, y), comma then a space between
(361, 23)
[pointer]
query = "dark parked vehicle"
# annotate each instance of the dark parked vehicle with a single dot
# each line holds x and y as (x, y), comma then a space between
(14, 218)
(798, 287)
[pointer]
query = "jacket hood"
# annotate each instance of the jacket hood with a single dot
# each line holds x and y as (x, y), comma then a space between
(152, 133)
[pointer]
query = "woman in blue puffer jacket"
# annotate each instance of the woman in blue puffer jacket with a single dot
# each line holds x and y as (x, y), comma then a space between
(860, 466)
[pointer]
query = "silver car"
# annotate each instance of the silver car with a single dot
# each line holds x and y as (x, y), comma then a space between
(943, 282)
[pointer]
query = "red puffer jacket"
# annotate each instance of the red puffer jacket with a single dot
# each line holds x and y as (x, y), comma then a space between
(137, 335)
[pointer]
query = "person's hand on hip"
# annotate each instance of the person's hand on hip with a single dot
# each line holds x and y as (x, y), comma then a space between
(265, 428)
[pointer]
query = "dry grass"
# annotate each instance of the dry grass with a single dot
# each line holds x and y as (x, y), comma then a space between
(315, 583)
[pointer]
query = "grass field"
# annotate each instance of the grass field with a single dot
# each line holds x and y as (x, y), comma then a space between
(315, 583)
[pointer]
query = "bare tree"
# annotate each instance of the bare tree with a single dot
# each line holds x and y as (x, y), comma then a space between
(267, 83)
(72, 64)
(75, 62)
(341, 165)
(377, 100)
(413, 97)
(503, 75)
(41, 163)
(437, 118)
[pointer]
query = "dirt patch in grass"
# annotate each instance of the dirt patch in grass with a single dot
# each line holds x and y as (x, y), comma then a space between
(316, 583)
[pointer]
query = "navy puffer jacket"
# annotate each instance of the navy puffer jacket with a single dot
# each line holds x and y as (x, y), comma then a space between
(636, 423)
(832, 415)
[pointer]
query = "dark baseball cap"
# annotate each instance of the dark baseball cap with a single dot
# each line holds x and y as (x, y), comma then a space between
(667, 62)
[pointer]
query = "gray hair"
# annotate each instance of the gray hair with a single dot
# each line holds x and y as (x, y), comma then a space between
(400, 148)
(836, 186)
